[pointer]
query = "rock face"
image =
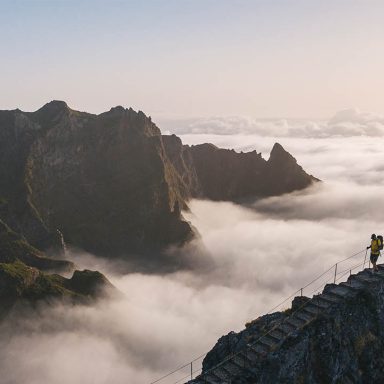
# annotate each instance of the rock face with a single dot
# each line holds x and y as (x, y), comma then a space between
(21, 284)
(14, 248)
(209, 172)
(104, 181)
(114, 186)
(24, 276)
(335, 337)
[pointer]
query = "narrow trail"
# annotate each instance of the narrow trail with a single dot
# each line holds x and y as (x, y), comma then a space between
(319, 303)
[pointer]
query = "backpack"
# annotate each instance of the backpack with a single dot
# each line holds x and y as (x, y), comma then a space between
(380, 238)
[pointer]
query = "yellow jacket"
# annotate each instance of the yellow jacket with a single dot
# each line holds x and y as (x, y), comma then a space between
(375, 246)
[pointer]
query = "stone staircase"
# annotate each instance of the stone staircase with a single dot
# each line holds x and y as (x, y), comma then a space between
(237, 364)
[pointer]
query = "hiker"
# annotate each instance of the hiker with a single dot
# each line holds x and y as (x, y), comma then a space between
(375, 251)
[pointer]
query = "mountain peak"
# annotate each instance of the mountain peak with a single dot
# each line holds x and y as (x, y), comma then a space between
(53, 109)
(279, 154)
(277, 147)
(118, 109)
(55, 105)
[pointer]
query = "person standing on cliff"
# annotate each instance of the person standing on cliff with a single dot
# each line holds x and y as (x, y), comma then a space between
(375, 251)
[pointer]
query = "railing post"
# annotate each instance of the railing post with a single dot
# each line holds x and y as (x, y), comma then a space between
(191, 369)
(334, 280)
(365, 258)
(301, 292)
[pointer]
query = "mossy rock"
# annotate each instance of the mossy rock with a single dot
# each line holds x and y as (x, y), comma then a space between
(21, 283)
(90, 283)
(13, 247)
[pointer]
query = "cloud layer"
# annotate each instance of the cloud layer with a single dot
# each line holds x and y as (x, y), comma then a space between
(346, 123)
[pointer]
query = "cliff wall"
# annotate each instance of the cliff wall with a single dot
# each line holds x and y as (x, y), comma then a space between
(209, 172)
(114, 186)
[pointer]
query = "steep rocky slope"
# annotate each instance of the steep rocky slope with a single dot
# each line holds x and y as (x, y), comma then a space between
(104, 181)
(335, 337)
(114, 186)
(14, 248)
(207, 171)
(24, 276)
(22, 285)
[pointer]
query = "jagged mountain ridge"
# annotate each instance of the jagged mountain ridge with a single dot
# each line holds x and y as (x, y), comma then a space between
(114, 185)
(218, 174)
(335, 337)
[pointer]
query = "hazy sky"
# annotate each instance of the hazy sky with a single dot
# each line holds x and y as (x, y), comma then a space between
(178, 58)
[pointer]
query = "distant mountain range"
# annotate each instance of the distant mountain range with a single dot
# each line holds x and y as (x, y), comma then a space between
(114, 186)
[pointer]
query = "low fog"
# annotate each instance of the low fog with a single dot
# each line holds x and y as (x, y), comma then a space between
(262, 254)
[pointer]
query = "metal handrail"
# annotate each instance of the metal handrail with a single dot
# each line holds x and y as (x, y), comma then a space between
(336, 276)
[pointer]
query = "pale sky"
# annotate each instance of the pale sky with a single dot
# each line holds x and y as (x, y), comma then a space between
(179, 58)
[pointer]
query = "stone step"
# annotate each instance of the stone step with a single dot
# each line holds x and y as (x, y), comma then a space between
(342, 291)
(279, 334)
(318, 302)
(366, 271)
(211, 378)
(323, 300)
(380, 274)
(298, 323)
(336, 296)
(261, 349)
(254, 348)
(287, 328)
(250, 355)
(221, 373)
(268, 341)
(307, 317)
(312, 309)
(330, 298)
(366, 278)
(231, 368)
(371, 272)
(238, 360)
(276, 339)
(354, 283)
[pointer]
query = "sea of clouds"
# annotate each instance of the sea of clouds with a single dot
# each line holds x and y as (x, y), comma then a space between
(261, 254)
(346, 123)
